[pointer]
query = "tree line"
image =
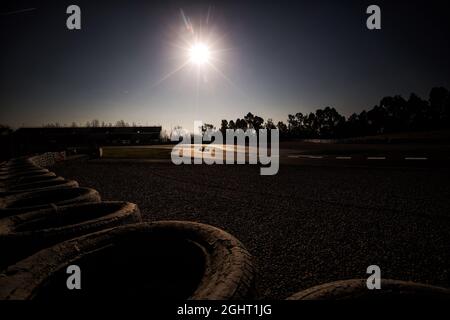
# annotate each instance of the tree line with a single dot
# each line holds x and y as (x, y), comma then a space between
(391, 115)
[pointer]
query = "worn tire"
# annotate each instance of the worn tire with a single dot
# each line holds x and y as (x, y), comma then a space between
(40, 186)
(18, 162)
(18, 169)
(32, 201)
(13, 169)
(22, 173)
(25, 234)
(356, 289)
(186, 260)
(27, 179)
(39, 183)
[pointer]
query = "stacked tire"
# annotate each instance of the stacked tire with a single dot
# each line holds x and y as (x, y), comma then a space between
(48, 223)
(356, 289)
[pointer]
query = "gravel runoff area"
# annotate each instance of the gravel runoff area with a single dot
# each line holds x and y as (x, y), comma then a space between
(305, 226)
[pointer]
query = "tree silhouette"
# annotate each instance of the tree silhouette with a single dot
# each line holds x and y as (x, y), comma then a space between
(439, 105)
(391, 115)
(224, 126)
(269, 124)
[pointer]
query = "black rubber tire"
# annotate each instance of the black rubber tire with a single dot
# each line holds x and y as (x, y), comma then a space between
(356, 289)
(14, 169)
(24, 163)
(11, 179)
(41, 186)
(18, 169)
(23, 173)
(23, 180)
(225, 272)
(36, 184)
(32, 201)
(18, 162)
(25, 234)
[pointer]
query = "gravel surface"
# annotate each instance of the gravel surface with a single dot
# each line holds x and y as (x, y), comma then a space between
(305, 226)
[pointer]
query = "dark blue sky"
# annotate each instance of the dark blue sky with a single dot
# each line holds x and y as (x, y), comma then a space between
(275, 57)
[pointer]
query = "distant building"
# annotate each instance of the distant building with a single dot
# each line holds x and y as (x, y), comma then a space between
(55, 139)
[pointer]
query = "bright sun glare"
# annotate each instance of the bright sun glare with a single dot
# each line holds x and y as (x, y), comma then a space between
(199, 54)
(199, 51)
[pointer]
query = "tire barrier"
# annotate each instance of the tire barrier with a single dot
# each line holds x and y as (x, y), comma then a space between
(22, 173)
(7, 169)
(25, 234)
(24, 180)
(356, 289)
(47, 222)
(31, 201)
(163, 260)
(27, 185)
(24, 163)
(40, 186)
(20, 160)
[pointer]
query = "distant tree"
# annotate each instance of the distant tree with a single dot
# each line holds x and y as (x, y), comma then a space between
(392, 114)
(377, 120)
(249, 118)
(95, 123)
(122, 123)
(164, 136)
(241, 124)
(363, 123)
(232, 125)
(292, 123)
(177, 131)
(439, 105)
(282, 127)
(353, 126)
(258, 123)
(310, 125)
(396, 109)
(224, 127)
(329, 122)
(418, 113)
(269, 124)
(207, 127)
(52, 125)
(253, 121)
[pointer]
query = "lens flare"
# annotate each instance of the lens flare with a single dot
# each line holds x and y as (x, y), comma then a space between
(199, 54)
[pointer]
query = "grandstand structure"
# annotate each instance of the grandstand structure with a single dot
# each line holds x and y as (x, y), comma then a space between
(63, 138)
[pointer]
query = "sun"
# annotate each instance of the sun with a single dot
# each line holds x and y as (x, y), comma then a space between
(199, 54)
(198, 49)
